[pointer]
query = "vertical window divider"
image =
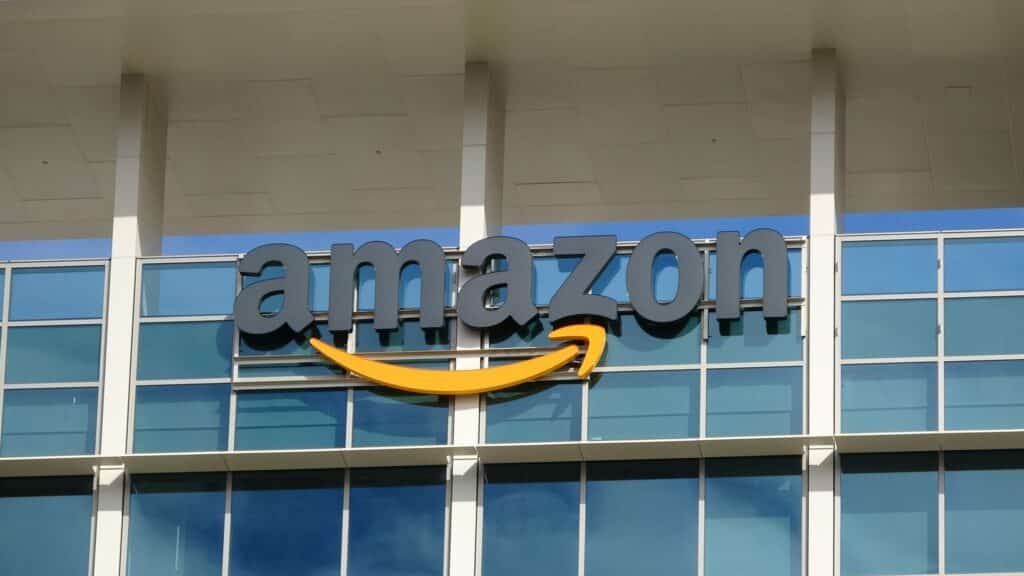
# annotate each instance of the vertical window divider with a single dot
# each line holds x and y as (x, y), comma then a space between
(701, 495)
(702, 393)
(837, 350)
(941, 549)
(126, 522)
(585, 409)
(345, 513)
(350, 398)
(479, 558)
(236, 338)
(449, 478)
(102, 373)
(940, 338)
(133, 369)
(805, 489)
(3, 341)
(582, 546)
(837, 510)
(226, 551)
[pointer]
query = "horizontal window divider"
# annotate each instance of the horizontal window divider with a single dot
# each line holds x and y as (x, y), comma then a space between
(211, 259)
(183, 381)
(889, 297)
(983, 294)
(894, 360)
(985, 233)
(365, 315)
(61, 263)
(178, 319)
(647, 368)
(51, 385)
(45, 323)
(285, 383)
(983, 358)
(778, 364)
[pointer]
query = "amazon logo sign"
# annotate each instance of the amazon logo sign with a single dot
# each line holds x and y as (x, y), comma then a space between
(573, 306)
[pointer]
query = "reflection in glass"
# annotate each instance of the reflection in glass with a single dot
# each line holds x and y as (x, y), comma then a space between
(890, 267)
(286, 523)
(632, 341)
(890, 521)
(984, 512)
(409, 337)
(532, 334)
(47, 354)
(753, 516)
(183, 350)
(644, 405)
(890, 397)
(890, 329)
(983, 326)
(46, 526)
(752, 275)
(397, 522)
(752, 338)
(642, 518)
(531, 519)
(57, 293)
(177, 525)
(410, 285)
(385, 417)
(188, 289)
(289, 419)
(49, 422)
(976, 264)
(181, 418)
(984, 395)
(535, 412)
(755, 401)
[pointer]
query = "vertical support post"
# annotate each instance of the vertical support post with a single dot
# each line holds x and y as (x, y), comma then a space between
(137, 231)
(483, 132)
(827, 111)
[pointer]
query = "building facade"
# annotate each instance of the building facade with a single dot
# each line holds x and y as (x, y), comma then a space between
(860, 413)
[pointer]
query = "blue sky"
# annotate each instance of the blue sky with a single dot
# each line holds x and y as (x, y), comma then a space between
(937, 220)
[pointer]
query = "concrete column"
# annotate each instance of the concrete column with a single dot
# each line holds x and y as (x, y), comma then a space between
(483, 132)
(827, 112)
(138, 223)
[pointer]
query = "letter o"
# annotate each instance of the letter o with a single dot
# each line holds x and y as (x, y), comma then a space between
(640, 270)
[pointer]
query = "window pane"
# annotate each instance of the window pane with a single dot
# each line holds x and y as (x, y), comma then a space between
(890, 267)
(642, 518)
(181, 418)
(753, 516)
(384, 417)
(752, 275)
(642, 405)
(890, 329)
(409, 337)
(282, 419)
(755, 401)
(752, 338)
(535, 412)
(183, 350)
(397, 522)
(984, 395)
(633, 341)
(410, 284)
(890, 398)
(531, 519)
(51, 422)
(509, 335)
(59, 293)
(286, 523)
(984, 512)
(285, 344)
(319, 288)
(890, 517)
(983, 264)
(46, 526)
(188, 289)
(983, 326)
(177, 525)
(307, 369)
(46, 354)
(612, 280)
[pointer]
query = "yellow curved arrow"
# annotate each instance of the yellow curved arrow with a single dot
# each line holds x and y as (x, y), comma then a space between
(423, 381)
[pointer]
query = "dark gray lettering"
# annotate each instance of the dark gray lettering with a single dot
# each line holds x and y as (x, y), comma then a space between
(293, 285)
(573, 298)
(517, 279)
(730, 253)
(640, 284)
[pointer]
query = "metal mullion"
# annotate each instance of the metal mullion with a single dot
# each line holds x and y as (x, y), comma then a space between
(53, 385)
(582, 529)
(184, 319)
(766, 364)
(983, 358)
(345, 519)
(837, 510)
(984, 294)
(480, 480)
(872, 236)
(199, 259)
(449, 480)
(701, 507)
(127, 517)
(585, 409)
(837, 349)
(805, 477)
(183, 381)
(702, 393)
(942, 513)
(349, 411)
(104, 313)
(232, 417)
(940, 335)
(889, 297)
(59, 263)
(47, 323)
(226, 549)
(648, 368)
(987, 233)
(94, 519)
(134, 355)
(3, 340)
(893, 360)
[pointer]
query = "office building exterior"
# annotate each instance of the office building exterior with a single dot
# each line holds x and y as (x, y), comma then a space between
(791, 232)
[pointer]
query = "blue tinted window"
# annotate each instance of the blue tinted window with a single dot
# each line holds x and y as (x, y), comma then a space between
(2, 295)
(755, 401)
(890, 521)
(49, 422)
(641, 405)
(188, 289)
(46, 526)
(642, 518)
(752, 338)
(42, 354)
(59, 293)
(384, 417)
(612, 280)
(410, 285)
(752, 275)
(983, 264)
(984, 395)
(890, 329)
(509, 335)
(319, 288)
(890, 267)
(304, 369)
(282, 419)
(181, 350)
(286, 523)
(632, 341)
(177, 525)
(409, 337)
(285, 344)
(396, 522)
(984, 512)
(983, 326)
(753, 517)
(531, 519)
(535, 412)
(181, 418)
(890, 397)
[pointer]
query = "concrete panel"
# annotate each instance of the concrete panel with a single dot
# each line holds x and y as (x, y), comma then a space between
(711, 140)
